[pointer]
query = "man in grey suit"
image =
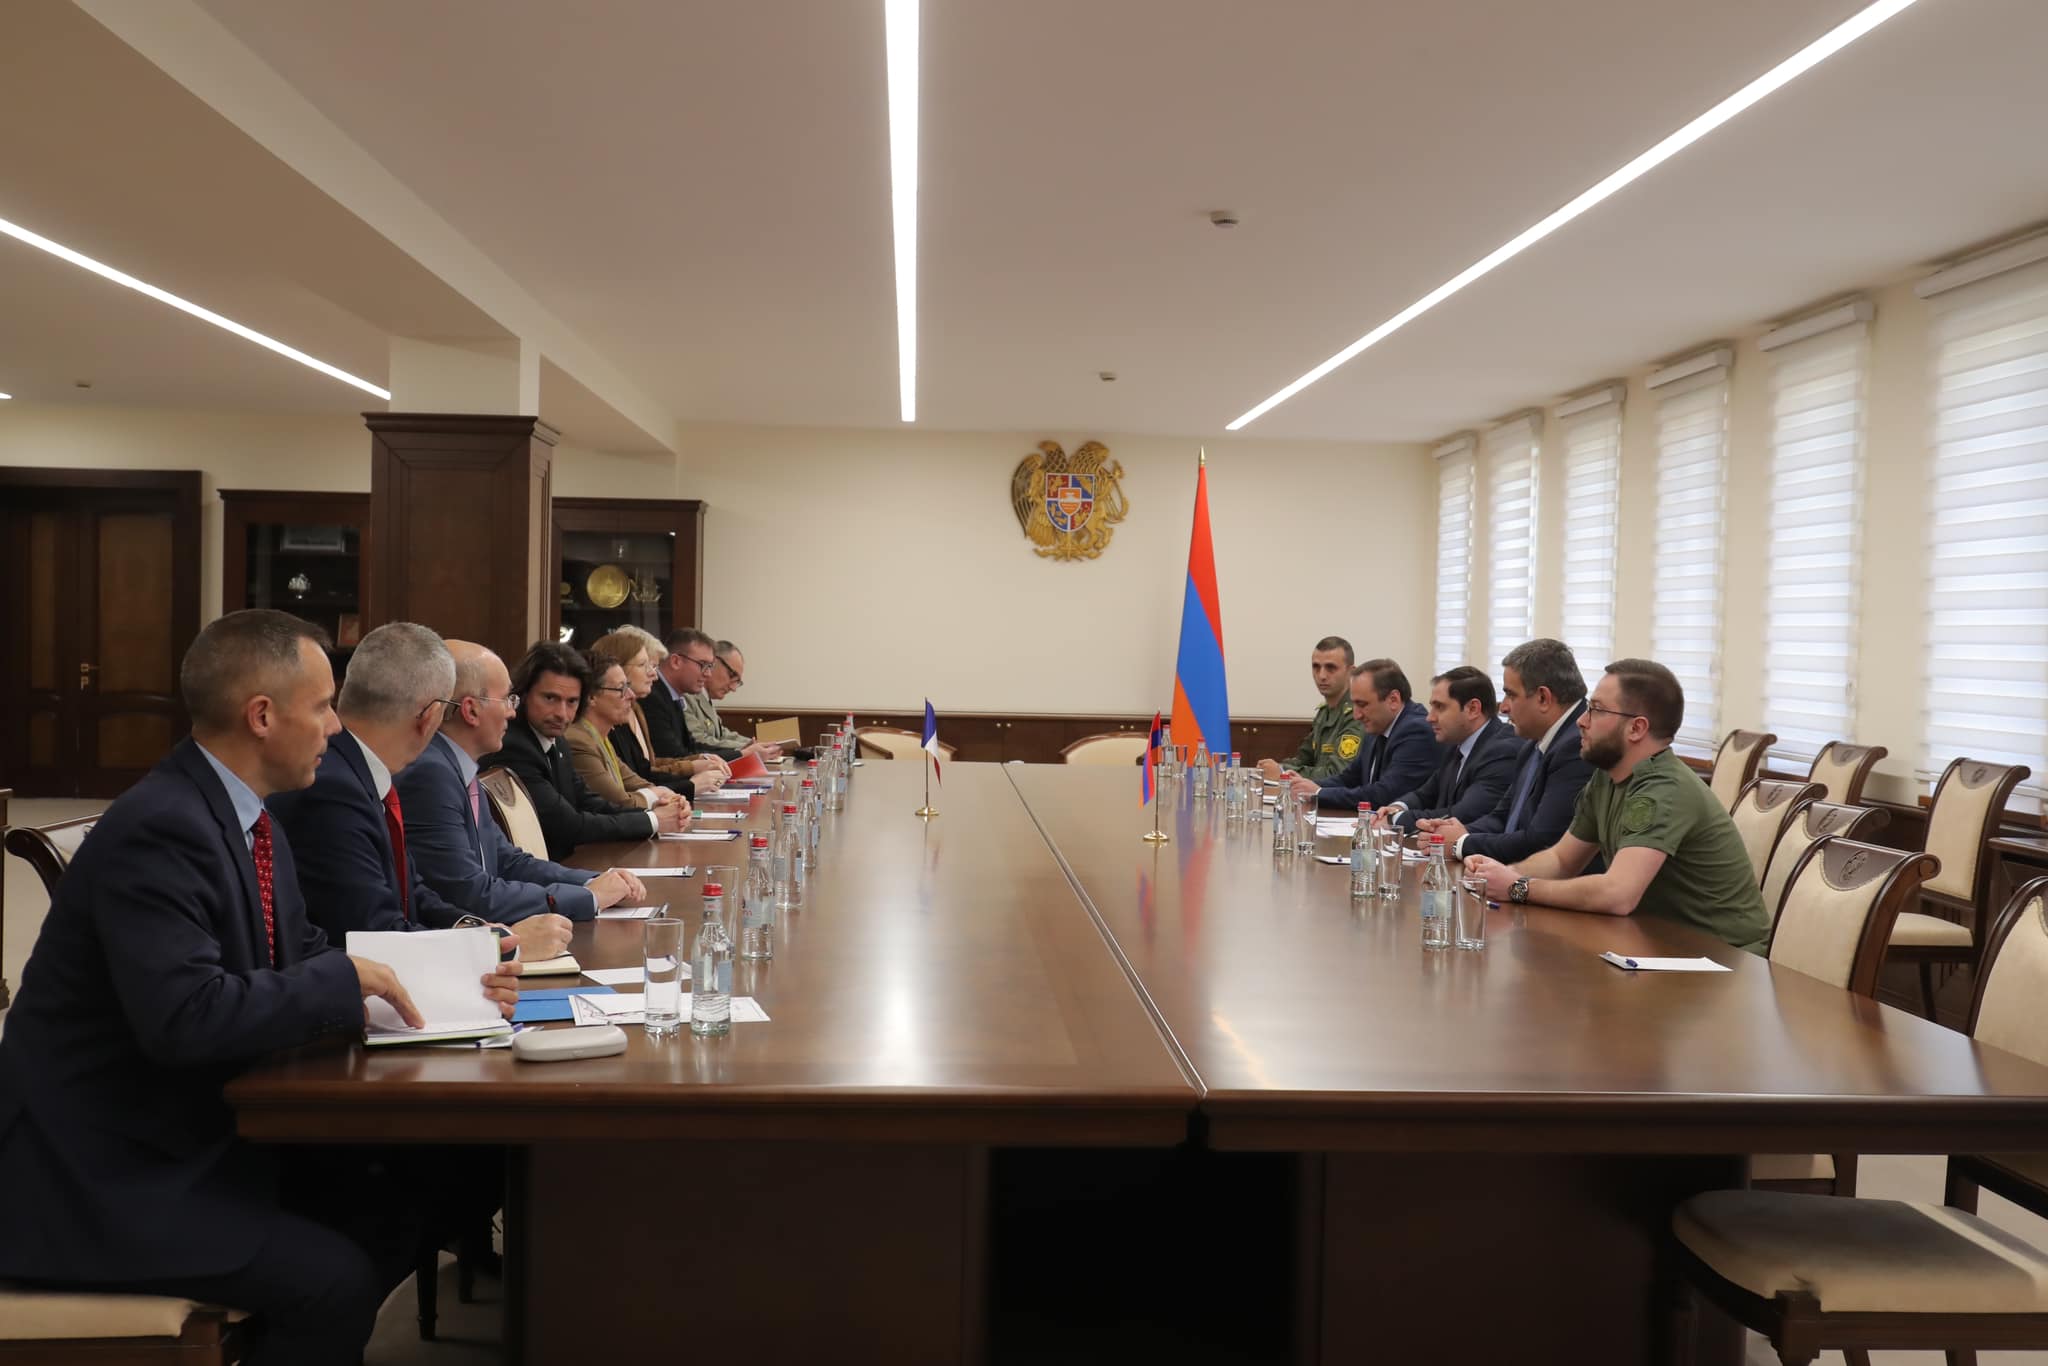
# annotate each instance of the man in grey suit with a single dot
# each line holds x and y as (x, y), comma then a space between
(457, 848)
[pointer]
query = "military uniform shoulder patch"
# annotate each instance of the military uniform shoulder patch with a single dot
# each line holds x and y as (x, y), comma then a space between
(1068, 505)
(1347, 747)
(1636, 815)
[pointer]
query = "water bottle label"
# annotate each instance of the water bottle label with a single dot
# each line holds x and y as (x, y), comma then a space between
(1436, 905)
(796, 871)
(724, 977)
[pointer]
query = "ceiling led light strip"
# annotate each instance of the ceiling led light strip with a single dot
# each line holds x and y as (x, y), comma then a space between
(164, 296)
(900, 22)
(1787, 71)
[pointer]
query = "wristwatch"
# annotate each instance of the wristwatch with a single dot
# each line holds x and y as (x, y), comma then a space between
(1519, 892)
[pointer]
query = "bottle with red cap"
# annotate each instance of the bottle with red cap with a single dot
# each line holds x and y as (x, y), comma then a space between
(757, 907)
(790, 858)
(711, 968)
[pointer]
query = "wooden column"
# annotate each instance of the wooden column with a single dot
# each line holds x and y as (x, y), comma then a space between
(459, 526)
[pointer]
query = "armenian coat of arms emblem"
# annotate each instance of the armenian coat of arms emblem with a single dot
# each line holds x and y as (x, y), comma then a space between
(1068, 505)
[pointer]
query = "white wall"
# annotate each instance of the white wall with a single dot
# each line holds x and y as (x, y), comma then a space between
(871, 569)
(1897, 449)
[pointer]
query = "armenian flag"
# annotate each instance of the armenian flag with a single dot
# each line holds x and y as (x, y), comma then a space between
(1201, 700)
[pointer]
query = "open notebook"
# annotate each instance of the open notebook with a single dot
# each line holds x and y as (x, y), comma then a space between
(443, 972)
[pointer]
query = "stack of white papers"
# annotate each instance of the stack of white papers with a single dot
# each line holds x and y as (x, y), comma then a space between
(1337, 826)
(724, 794)
(625, 977)
(630, 1007)
(1628, 964)
(683, 870)
(630, 912)
(558, 966)
(701, 835)
(442, 971)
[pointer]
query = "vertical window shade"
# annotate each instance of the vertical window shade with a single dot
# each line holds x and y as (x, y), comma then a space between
(1592, 516)
(1511, 465)
(1454, 471)
(1685, 619)
(1987, 585)
(1811, 615)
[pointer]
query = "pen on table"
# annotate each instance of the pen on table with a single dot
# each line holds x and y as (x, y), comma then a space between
(1631, 962)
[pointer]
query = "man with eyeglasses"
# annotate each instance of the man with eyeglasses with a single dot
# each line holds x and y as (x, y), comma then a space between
(456, 845)
(348, 828)
(692, 657)
(1671, 848)
(726, 676)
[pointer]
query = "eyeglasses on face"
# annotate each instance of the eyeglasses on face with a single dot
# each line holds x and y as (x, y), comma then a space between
(612, 687)
(737, 681)
(510, 701)
(1595, 709)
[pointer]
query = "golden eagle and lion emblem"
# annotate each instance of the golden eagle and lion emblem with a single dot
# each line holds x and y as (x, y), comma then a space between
(1068, 505)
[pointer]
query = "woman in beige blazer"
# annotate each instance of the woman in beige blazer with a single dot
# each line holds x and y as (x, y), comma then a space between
(628, 645)
(607, 702)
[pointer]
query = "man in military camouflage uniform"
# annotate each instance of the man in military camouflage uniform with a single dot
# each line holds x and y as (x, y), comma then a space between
(726, 674)
(1334, 737)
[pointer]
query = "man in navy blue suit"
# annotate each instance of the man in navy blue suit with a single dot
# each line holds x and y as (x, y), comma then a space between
(456, 847)
(176, 953)
(1400, 750)
(1545, 694)
(1481, 753)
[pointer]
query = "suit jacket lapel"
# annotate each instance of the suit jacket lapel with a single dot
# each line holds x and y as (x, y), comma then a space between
(201, 775)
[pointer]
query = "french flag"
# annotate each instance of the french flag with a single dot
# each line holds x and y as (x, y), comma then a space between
(931, 739)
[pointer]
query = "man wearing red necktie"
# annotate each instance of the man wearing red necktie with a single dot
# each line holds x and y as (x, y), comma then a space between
(176, 953)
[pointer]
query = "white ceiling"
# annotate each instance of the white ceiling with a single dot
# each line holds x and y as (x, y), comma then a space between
(700, 189)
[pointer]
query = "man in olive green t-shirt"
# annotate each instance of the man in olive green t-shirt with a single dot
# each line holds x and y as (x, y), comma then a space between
(1334, 736)
(1671, 848)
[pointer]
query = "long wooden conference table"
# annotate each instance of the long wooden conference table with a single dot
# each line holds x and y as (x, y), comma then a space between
(1482, 1148)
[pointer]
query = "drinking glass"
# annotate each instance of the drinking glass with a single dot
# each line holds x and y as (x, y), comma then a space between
(1388, 841)
(664, 953)
(1471, 911)
(1305, 823)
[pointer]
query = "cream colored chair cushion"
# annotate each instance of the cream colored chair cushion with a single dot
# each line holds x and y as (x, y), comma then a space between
(34, 1315)
(2010, 1015)
(1956, 822)
(889, 744)
(1731, 765)
(1784, 859)
(1912, 929)
(1864, 1256)
(522, 822)
(1760, 815)
(1125, 750)
(1791, 1167)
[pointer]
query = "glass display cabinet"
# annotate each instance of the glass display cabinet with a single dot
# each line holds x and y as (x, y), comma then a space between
(298, 552)
(626, 562)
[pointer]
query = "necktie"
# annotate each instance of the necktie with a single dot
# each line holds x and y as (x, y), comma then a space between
(476, 806)
(259, 851)
(1523, 783)
(394, 825)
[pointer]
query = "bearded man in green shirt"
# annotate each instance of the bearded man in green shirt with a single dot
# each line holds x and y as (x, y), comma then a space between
(1671, 848)
(1334, 736)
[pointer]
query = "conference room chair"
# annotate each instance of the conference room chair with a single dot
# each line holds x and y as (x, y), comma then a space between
(1736, 762)
(1843, 768)
(1968, 804)
(1812, 1273)
(49, 849)
(1762, 813)
(1111, 747)
(891, 742)
(1840, 902)
(1815, 821)
(513, 809)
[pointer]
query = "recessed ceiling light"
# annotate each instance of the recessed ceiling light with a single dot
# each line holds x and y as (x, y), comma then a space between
(1784, 73)
(164, 296)
(899, 19)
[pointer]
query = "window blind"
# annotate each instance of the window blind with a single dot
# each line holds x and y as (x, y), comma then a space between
(1592, 516)
(1454, 480)
(1685, 616)
(1987, 580)
(1816, 513)
(1512, 458)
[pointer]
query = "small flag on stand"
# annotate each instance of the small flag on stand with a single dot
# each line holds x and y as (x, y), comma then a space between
(931, 738)
(1151, 758)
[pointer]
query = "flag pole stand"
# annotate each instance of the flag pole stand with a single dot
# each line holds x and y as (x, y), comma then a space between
(927, 811)
(1155, 835)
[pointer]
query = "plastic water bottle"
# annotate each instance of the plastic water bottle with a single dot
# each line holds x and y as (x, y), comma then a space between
(757, 913)
(788, 860)
(842, 759)
(1439, 893)
(811, 813)
(1201, 772)
(1166, 752)
(1365, 860)
(711, 969)
(852, 748)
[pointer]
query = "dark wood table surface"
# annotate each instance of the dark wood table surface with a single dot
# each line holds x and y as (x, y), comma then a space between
(942, 984)
(1312, 1023)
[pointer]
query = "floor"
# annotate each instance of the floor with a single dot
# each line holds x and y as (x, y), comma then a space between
(469, 1333)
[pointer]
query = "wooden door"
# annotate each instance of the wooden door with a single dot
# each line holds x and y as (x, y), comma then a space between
(101, 602)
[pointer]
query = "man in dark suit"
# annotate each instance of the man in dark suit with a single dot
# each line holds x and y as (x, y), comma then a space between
(550, 681)
(349, 826)
(1545, 694)
(1482, 753)
(455, 845)
(691, 656)
(1400, 752)
(176, 953)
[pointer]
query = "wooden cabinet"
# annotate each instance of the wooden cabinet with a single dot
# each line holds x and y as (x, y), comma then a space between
(303, 553)
(627, 562)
